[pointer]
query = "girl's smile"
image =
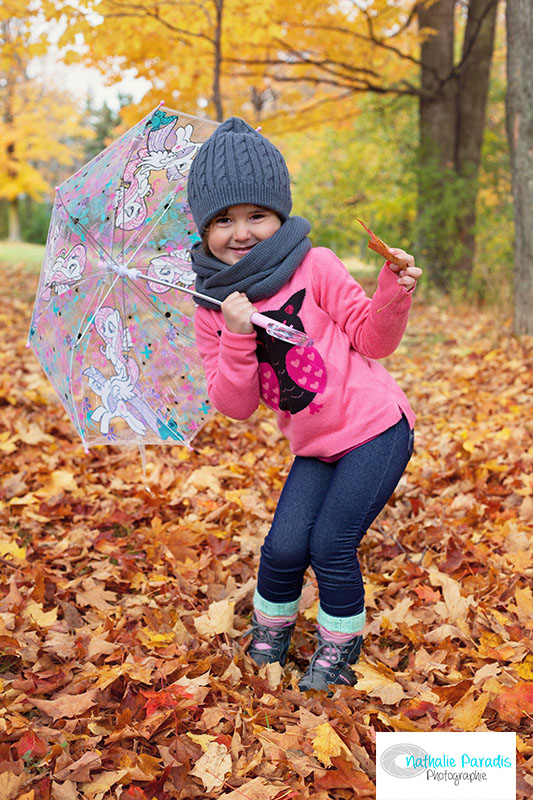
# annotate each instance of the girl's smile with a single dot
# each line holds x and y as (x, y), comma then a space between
(235, 231)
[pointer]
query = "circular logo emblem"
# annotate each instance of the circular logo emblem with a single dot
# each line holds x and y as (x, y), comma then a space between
(394, 760)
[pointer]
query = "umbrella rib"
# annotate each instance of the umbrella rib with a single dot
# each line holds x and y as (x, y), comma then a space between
(146, 120)
(180, 288)
(77, 282)
(72, 285)
(153, 305)
(122, 229)
(98, 245)
(93, 314)
(77, 423)
(157, 311)
(170, 197)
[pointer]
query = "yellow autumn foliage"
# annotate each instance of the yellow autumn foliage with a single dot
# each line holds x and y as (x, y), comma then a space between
(262, 60)
(38, 124)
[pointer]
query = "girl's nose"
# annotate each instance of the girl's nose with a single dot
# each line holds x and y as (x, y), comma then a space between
(241, 231)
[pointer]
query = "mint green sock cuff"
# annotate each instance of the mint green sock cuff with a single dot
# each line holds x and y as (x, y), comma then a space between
(275, 609)
(341, 624)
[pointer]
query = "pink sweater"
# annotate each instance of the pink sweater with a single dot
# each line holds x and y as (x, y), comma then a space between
(329, 397)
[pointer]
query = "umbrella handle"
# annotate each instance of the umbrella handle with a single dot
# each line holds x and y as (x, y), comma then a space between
(280, 331)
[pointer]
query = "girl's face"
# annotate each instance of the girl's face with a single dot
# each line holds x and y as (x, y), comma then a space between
(233, 233)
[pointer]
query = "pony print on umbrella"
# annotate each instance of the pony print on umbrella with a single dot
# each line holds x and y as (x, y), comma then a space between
(167, 149)
(175, 267)
(120, 394)
(66, 269)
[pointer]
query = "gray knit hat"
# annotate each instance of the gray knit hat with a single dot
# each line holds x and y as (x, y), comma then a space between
(237, 165)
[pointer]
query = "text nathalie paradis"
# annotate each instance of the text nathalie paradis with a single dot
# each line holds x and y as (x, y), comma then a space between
(435, 763)
(432, 762)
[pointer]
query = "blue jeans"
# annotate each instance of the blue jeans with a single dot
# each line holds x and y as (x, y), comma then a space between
(323, 513)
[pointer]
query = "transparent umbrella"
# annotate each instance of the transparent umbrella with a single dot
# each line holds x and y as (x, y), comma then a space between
(112, 324)
(117, 343)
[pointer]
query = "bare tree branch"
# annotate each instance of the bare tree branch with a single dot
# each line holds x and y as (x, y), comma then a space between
(369, 39)
(137, 11)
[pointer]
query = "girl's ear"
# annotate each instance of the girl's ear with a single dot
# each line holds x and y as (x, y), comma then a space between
(204, 235)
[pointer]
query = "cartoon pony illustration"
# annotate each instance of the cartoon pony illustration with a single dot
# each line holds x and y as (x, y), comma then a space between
(176, 267)
(168, 148)
(120, 394)
(65, 270)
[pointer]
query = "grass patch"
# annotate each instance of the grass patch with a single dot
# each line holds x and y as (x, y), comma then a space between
(22, 255)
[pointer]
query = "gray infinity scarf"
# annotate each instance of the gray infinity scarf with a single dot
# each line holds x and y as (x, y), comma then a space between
(261, 272)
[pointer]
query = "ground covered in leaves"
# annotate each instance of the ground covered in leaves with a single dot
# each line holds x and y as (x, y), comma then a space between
(121, 609)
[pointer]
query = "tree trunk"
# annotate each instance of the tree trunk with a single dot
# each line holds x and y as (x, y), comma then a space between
(13, 221)
(472, 98)
(217, 67)
(437, 105)
(437, 134)
(452, 121)
(520, 135)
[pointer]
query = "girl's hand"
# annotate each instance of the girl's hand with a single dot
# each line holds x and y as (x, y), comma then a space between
(407, 272)
(237, 311)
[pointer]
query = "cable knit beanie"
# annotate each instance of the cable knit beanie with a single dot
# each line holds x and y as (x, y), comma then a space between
(237, 165)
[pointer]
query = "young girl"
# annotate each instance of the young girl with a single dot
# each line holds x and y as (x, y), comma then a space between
(349, 424)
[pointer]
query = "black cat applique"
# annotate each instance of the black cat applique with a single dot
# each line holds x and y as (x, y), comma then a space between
(290, 375)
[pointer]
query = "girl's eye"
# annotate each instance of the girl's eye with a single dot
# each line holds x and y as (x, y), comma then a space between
(258, 216)
(222, 220)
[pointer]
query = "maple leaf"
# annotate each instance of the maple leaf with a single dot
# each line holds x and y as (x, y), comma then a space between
(155, 789)
(514, 702)
(378, 684)
(213, 766)
(31, 745)
(66, 705)
(61, 480)
(80, 769)
(217, 619)
(10, 785)
(42, 618)
(327, 743)
(203, 739)
(468, 713)
(344, 776)
(101, 783)
(10, 548)
(259, 789)
(165, 698)
(525, 670)
(64, 791)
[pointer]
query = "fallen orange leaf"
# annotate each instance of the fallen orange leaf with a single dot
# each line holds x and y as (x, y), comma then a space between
(514, 702)
(31, 745)
(345, 776)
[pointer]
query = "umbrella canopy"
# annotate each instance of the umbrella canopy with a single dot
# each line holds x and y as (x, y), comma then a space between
(116, 341)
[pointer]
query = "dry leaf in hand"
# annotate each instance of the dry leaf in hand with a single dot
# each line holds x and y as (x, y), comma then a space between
(378, 246)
